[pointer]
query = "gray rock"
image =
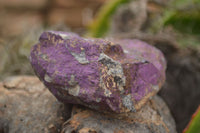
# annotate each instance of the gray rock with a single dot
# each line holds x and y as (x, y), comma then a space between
(26, 106)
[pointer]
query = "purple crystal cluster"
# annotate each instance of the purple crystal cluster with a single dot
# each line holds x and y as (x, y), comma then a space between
(109, 76)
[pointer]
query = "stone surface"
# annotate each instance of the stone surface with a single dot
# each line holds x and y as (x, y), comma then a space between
(110, 76)
(26, 106)
(130, 17)
(137, 16)
(154, 117)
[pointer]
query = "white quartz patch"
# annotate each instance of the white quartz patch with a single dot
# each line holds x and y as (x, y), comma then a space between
(64, 36)
(81, 58)
(47, 78)
(128, 103)
(125, 51)
(74, 91)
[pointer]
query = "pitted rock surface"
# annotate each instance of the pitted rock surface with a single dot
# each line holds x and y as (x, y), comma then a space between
(109, 76)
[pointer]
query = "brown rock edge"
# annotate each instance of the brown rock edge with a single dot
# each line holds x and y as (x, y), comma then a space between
(154, 117)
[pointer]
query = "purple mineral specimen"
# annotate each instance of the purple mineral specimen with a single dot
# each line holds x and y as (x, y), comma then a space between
(109, 76)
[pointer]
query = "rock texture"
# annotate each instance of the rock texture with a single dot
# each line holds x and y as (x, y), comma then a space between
(154, 117)
(182, 86)
(26, 106)
(110, 76)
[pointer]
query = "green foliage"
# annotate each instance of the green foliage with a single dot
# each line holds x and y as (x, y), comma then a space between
(184, 16)
(102, 22)
(194, 125)
(184, 3)
(186, 22)
(188, 40)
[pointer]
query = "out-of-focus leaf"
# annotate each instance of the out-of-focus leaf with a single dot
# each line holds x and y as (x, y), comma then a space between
(181, 4)
(181, 17)
(188, 40)
(186, 22)
(194, 124)
(100, 25)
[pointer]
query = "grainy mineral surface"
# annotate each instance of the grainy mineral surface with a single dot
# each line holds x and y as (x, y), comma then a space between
(110, 76)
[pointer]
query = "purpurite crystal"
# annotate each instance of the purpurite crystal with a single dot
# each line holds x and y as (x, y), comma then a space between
(109, 76)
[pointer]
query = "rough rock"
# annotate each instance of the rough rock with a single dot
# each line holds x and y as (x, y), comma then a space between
(110, 76)
(154, 117)
(130, 17)
(181, 90)
(26, 106)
